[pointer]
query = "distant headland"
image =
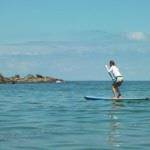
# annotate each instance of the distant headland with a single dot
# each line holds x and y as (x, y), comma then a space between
(29, 79)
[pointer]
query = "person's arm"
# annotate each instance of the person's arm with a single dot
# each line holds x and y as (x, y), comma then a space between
(108, 69)
(109, 72)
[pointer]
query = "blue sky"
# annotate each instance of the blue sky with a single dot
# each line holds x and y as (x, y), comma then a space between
(74, 39)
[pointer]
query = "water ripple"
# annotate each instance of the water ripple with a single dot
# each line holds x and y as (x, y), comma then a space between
(56, 116)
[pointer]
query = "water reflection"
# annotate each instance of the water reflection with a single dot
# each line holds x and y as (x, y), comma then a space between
(114, 124)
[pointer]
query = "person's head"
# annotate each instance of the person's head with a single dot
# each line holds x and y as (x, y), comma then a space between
(111, 63)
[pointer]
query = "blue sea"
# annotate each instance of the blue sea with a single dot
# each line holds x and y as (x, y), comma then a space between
(57, 117)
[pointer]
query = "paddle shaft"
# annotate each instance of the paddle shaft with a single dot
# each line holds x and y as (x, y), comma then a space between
(109, 73)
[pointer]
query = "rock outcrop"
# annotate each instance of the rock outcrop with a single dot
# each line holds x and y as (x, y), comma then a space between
(29, 79)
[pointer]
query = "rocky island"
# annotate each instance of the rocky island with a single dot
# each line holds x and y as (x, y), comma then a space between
(29, 79)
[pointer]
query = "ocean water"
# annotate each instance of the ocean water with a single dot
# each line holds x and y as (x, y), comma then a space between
(57, 117)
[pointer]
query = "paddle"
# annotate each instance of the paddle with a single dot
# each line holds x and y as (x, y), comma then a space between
(109, 73)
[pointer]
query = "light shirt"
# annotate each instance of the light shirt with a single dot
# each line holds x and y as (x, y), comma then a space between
(115, 71)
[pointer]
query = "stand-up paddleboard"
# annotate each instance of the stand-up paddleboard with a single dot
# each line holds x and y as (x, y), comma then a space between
(109, 98)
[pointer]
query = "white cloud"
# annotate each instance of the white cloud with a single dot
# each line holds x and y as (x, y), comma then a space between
(86, 43)
(136, 36)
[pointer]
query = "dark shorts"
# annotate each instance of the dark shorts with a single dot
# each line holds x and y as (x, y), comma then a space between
(118, 81)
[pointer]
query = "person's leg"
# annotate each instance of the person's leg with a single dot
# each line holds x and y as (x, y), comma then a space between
(114, 90)
(118, 90)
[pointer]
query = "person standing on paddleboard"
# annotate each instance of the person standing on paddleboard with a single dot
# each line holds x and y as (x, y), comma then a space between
(117, 78)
